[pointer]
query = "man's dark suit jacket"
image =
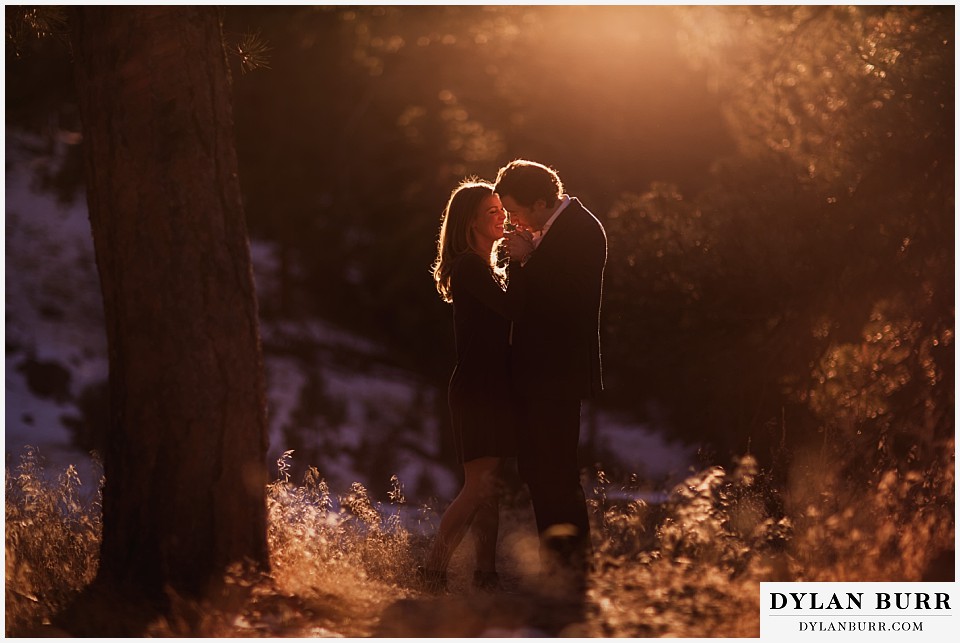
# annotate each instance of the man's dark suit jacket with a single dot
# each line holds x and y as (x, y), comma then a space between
(555, 345)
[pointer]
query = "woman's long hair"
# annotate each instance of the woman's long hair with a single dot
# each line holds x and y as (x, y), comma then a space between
(455, 238)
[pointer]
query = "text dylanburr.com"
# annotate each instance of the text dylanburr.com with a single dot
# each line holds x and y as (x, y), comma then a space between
(867, 610)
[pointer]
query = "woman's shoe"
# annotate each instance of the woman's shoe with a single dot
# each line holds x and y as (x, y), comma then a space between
(486, 581)
(433, 581)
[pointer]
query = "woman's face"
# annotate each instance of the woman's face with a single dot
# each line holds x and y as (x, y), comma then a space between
(488, 224)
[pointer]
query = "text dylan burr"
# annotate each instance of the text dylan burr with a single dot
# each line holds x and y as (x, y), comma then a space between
(855, 601)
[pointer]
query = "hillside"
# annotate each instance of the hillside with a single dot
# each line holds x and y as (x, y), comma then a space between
(334, 397)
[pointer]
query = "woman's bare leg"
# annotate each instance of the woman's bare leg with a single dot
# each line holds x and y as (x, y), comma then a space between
(478, 486)
(485, 528)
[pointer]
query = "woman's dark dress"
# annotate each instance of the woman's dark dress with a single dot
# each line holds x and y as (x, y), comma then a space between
(482, 424)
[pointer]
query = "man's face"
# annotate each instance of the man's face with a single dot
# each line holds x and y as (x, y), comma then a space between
(531, 218)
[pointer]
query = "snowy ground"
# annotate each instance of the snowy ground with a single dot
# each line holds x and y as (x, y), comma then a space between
(333, 414)
(55, 342)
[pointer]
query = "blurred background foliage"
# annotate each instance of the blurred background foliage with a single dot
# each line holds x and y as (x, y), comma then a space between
(776, 184)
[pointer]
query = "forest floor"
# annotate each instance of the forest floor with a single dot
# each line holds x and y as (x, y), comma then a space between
(337, 607)
(462, 612)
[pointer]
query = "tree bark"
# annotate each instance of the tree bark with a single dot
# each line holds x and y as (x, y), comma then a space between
(185, 466)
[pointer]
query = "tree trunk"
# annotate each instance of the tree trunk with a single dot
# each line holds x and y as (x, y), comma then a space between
(185, 462)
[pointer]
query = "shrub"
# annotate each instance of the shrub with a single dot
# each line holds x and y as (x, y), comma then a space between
(52, 541)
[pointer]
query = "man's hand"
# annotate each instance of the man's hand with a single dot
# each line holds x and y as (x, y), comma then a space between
(519, 244)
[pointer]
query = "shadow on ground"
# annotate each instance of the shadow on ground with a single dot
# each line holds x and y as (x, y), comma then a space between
(476, 614)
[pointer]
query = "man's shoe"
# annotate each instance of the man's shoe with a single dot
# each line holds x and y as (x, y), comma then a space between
(486, 581)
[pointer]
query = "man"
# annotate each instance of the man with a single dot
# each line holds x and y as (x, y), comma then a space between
(557, 256)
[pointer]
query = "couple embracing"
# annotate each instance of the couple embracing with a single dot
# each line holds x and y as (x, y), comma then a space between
(526, 357)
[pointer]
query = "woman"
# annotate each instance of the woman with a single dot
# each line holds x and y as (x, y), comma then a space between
(464, 274)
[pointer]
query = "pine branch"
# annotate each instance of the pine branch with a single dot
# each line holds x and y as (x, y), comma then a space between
(25, 25)
(252, 50)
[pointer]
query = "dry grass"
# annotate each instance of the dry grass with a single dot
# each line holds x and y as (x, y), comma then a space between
(52, 541)
(342, 564)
